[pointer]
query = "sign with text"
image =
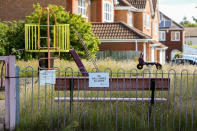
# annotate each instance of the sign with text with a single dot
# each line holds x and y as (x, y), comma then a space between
(47, 77)
(98, 79)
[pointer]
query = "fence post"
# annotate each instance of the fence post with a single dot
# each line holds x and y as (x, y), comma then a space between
(152, 87)
(12, 91)
(153, 91)
(71, 98)
(17, 95)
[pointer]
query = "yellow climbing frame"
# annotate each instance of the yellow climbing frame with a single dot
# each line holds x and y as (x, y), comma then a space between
(62, 36)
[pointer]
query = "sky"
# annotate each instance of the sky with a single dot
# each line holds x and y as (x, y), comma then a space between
(177, 9)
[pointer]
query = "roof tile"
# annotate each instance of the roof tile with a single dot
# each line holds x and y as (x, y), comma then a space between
(117, 30)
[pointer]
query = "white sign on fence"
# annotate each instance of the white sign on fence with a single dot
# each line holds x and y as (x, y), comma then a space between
(98, 79)
(47, 77)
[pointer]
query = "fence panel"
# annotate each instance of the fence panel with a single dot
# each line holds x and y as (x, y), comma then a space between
(133, 100)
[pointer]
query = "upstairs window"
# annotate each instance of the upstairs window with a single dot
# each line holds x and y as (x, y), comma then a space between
(108, 12)
(130, 19)
(175, 36)
(165, 23)
(162, 36)
(156, 29)
(82, 8)
(144, 20)
(147, 21)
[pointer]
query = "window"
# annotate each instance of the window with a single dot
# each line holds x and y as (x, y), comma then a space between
(81, 8)
(156, 29)
(144, 20)
(147, 21)
(130, 19)
(162, 36)
(165, 23)
(175, 36)
(108, 12)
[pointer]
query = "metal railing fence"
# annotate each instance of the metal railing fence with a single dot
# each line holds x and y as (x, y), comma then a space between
(127, 103)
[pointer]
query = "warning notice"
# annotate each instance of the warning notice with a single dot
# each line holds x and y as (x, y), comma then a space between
(98, 79)
(47, 77)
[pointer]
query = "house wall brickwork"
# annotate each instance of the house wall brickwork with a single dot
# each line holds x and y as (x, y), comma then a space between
(124, 46)
(147, 12)
(155, 22)
(138, 20)
(172, 45)
(121, 15)
(18, 9)
(148, 52)
(157, 55)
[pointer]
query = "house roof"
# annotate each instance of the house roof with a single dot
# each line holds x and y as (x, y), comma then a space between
(174, 26)
(140, 4)
(123, 3)
(162, 46)
(117, 30)
(158, 45)
(191, 31)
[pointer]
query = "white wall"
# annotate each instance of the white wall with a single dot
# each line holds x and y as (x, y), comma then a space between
(193, 40)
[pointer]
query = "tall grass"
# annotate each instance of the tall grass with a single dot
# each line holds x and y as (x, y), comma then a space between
(40, 112)
(103, 64)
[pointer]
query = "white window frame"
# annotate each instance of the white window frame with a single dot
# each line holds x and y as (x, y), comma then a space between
(176, 33)
(107, 11)
(148, 21)
(130, 18)
(161, 33)
(156, 29)
(144, 20)
(82, 7)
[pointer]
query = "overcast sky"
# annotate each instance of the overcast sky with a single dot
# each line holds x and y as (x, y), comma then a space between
(177, 9)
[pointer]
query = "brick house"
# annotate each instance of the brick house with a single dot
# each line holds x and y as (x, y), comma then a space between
(171, 35)
(137, 19)
(92, 10)
(141, 16)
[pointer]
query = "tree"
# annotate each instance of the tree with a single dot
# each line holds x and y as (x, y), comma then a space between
(194, 19)
(15, 33)
(187, 23)
(3, 31)
(76, 22)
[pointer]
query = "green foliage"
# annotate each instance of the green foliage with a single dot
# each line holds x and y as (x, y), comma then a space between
(3, 31)
(178, 55)
(76, 22)
(186, 23)
(189, 43)
(16, 39)
(12, 36)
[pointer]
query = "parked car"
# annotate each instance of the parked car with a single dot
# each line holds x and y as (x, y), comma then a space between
(182, 61)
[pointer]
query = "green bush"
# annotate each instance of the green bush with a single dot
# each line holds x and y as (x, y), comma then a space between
(12, 36)
(3, 31)
(76, 22)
